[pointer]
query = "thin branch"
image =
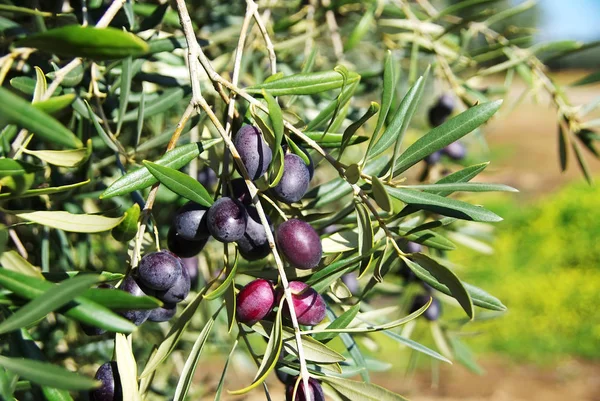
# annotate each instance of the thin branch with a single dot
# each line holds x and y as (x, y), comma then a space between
(265, 34)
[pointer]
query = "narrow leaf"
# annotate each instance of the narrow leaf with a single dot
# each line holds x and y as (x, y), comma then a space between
(354, 390)
(445, 134)
(126, 75)
(89, 42)
(425, 265)
(51, 300)
(180, 183)
(380, 194)
(77, 223)
(189, 369)
(127, 368)
(27, 116)
(63, 158)
(271, 356)
(444, 206)
(142, 178)
(47, 374)
(303, 83)
(394, 132)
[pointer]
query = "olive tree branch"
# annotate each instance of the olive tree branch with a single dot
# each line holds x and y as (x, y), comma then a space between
(199, 101)
(265, 34)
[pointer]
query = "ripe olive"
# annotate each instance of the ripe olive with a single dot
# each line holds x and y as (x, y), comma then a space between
(294, 181)
(110, 388)
(227, 219)
(254, 151)
(159, 270)
(299, 243)
(255, 301)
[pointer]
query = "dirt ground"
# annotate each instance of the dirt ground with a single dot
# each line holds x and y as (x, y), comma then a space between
(505, 381)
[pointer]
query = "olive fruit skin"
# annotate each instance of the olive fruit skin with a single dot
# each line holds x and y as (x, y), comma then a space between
(227, 219)
(455, 151)
(163, 314)
(159, 270)
(254, 151)
(411, 247)
(110, 388)
(207, 177)
(178, 291)
(440, 111)
(309, 305)
(182, 247)
(294, 181)
(299, 243)
(255, 301)
(190, 222)
(136, 316)
(433, 312)
(254, 245)
(314, 387)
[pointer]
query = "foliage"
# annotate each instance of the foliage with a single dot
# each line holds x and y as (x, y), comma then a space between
(96, 119)
(547, 254)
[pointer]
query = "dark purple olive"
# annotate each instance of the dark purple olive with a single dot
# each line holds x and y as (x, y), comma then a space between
(255, 301)
(163, 314)
(433, 312)
(191, 265)
(159, 270)
(440, 111)
(207, 177)
(294, 181)
(110, 388)
(93, 330)
(239, 191)
(254, 245)
(182, 247)
(411, 247)
(190, 222)
(433, 158)
(316, 391)
(309, 305)
(455, 151)
(254, 151)
(311, 165)
(299, 243)
(136, 316)
(227, 219)
(178, 291)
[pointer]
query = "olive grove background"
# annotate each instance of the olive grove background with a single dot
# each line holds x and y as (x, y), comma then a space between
(79, 109)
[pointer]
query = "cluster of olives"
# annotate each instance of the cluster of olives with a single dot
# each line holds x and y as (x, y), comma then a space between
(438, 114)
(258, 298)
